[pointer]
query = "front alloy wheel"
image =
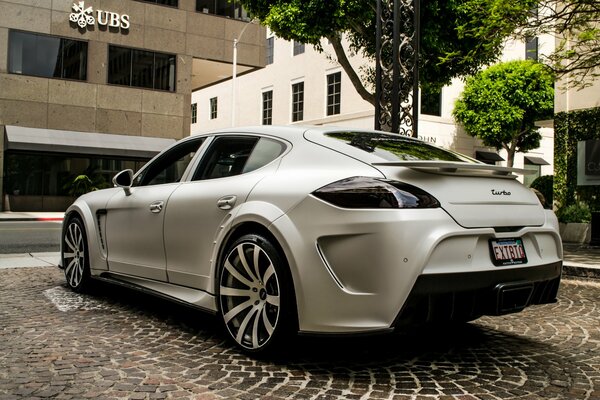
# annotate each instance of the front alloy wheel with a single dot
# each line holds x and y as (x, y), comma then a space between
(74, 253)
(250, 293)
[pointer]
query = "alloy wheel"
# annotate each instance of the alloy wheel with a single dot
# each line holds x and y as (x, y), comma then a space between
(74, 254)
(250, 295)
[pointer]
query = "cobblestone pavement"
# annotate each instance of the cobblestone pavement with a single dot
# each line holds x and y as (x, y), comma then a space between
(118, 344)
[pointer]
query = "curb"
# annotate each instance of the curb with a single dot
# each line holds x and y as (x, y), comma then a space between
(28, 219)
(581, 271)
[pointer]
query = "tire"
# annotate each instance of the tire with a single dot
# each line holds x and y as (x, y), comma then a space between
(75, 257)
(256, 297)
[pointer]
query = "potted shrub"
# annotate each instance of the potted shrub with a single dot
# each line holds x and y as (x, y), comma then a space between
(575, 224)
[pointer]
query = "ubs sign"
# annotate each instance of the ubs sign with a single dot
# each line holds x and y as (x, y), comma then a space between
(84, 16)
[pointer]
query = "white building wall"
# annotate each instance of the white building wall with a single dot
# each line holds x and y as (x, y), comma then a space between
(313, 67)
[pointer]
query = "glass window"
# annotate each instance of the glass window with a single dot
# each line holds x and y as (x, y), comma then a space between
(395, 147)
(528, 179)
(225, 8)
(298, 48)
(170, 3)
(334, 89)
(298, 101)
(47, 56)
(213, 108)
(44, 174)
(531, 49)
(170, 166)
(194, 113)
(141, 68)
(270, 50)
(226, 156)
(267, 107)
(431, 102)
(265, 151)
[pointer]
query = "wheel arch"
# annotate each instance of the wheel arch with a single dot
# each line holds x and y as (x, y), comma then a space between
(82, 211)
(257, 228)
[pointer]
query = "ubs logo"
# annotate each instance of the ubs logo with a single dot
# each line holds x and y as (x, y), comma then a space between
(84, 16)
(500, 192)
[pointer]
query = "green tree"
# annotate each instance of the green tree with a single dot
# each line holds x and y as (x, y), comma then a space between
(458, 36)
(576, 23)
(500, 105)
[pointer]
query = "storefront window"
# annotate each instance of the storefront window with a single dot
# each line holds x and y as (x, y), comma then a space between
(45, 181)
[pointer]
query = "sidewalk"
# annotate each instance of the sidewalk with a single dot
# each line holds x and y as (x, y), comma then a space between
(7, 216)
(579, 260)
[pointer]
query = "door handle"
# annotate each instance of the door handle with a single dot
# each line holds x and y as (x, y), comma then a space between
(226, 202)
(157, 206)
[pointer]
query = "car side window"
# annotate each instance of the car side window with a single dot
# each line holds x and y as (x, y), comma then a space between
(226, 156)
(170, 166)
(265, 151)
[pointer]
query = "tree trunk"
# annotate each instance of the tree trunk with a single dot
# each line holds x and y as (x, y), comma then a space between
(342, 59)
(510, 157)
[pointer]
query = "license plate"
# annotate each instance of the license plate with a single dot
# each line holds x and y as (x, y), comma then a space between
(507, 252)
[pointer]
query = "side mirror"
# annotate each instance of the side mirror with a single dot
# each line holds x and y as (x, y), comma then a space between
(124, 179)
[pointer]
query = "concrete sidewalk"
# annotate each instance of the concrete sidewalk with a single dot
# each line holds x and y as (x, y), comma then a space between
(29, 260)
(7, 216)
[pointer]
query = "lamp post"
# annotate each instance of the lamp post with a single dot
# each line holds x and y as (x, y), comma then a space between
(234, 72)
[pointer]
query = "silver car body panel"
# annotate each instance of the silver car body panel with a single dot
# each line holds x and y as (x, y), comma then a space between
(352, 269)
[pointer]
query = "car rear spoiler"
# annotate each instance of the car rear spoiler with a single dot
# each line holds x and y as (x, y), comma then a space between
(458, 168)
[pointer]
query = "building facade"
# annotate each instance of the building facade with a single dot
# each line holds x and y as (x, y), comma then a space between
(92, 87)
(302, 86)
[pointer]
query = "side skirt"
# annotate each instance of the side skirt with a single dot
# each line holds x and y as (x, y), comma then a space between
(185, 296)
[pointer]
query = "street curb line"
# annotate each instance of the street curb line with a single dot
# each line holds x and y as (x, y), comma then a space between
(580, 271)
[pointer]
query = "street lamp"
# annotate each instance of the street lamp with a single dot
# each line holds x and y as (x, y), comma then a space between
(234, 72)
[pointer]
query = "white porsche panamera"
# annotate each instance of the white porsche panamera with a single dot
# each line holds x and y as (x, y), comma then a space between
(281, 230)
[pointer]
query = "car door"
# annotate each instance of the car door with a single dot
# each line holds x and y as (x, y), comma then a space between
(227, 172)
(135, 220)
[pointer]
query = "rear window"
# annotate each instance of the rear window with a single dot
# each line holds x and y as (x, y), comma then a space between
(393, 147)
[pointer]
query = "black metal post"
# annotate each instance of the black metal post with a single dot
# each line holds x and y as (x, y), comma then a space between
(417, 47)
(378, 68)
(396, 71)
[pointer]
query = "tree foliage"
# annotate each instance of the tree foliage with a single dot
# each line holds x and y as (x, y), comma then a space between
(576, 23)
(458, 37)
(501, 104)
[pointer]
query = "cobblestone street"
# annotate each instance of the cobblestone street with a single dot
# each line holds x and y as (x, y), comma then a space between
(116, 343)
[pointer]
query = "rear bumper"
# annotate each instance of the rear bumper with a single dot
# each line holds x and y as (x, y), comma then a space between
(469, 295)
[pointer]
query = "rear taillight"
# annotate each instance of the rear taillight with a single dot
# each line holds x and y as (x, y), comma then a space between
(365, 192)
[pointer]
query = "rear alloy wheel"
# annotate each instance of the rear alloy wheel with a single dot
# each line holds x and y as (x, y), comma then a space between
(254, 293)
(75, 255)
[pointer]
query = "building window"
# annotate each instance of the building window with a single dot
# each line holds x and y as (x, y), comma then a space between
(334, 93)
(170, 3)
(213, 108)
(533, 164)
(531, 49)
(267, 108)
(141, 68)
(47, 56)
(431, 102)
(298, 101)
(194, 113)
(270, 49)
(224, 8)
(298, 48)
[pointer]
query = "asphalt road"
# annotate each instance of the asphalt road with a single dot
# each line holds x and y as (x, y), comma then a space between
(29, 237)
